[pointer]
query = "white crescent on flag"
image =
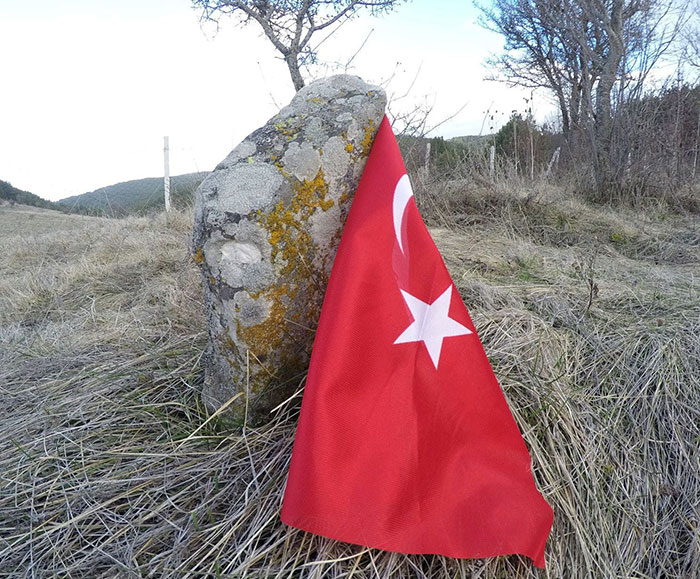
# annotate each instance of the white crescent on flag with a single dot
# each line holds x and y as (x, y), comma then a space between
(402, 195)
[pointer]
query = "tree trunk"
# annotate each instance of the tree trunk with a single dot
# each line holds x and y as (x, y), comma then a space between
(292, 60)
(565, 126)
(575, 103)
(606, 81)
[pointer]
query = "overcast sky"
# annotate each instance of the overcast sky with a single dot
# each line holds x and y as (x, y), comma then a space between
(90, 87)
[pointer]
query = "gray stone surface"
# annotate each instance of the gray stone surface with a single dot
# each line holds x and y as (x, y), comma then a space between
(268, 221)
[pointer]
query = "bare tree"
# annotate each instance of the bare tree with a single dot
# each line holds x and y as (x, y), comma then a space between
(538, 53)
(290, 24)
(585, 52)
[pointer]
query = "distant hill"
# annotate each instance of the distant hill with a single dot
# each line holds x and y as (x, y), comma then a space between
(14, 195)
(134, 197)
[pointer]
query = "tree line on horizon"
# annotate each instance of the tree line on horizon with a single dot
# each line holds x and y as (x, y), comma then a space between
(12, 195)
(135, 197)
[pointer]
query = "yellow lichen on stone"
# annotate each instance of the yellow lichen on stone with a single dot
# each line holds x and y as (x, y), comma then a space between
(265, 337)
(288, 228)
(287, 128)
(310, 194)
(277, 223)
(368, 139)
(284, 233)
(293, 252)
(349, 148)
(199, 256)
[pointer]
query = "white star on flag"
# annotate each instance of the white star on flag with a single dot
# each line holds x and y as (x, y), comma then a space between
(431, 323)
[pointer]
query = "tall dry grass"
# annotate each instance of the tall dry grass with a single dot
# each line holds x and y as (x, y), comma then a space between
(110, 466)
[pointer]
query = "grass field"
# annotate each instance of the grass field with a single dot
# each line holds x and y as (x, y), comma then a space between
(110, 466)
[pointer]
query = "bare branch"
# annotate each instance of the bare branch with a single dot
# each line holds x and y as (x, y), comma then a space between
(290, 24)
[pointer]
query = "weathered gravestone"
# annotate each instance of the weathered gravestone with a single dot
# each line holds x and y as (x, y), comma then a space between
(268, 221)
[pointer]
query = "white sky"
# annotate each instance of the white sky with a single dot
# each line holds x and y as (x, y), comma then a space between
(90, 87)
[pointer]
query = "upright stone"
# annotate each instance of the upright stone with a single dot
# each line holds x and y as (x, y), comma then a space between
(268, 221)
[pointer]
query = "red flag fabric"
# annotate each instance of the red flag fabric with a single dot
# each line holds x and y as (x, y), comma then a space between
(405, 441)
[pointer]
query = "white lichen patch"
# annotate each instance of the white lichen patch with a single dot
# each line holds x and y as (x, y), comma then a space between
(245, 187)
(247, 311)
(302, 161)
(235, 257)
(324, 226)
(248, 232)
(335, 162)
(239, 253)
(355, 133)
(315, 133)
(212, 251)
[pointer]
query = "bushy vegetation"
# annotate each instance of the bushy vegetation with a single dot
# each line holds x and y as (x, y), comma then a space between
(111, 467)
(653, 157)
(526, 145)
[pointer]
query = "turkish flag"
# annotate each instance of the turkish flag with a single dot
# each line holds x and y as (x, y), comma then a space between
(405, 441)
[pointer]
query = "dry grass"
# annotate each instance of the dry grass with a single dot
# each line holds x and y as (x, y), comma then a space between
(110, 466)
